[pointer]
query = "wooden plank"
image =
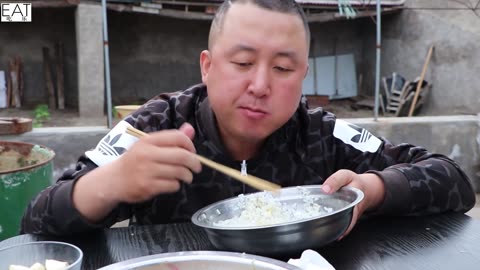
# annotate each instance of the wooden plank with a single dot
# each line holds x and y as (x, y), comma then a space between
(19, 67)
(385, 89)
(9, 87)
(16, 103)
(3, 90)
(48, 77)
(13, 73)
(60, 78)
(382, 104)
(420, 82)
(405, 89)
(394, 103)
(403, 108)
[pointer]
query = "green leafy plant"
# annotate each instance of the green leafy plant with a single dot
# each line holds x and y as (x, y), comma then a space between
(41, 114)
(114, 112)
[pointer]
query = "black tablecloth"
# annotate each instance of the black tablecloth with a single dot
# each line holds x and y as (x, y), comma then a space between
(446, 241)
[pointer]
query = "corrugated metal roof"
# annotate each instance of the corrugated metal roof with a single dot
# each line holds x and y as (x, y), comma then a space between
(317, 10)
(319, 3)
(312, 2)
(51, 3)
(352, 2)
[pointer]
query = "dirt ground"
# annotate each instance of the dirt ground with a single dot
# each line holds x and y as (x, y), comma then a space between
(63, 118)
(344, 108)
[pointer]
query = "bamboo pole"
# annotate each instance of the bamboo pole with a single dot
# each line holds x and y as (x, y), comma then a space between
(420, 82)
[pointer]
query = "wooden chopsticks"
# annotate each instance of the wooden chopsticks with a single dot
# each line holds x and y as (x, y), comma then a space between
(250, 180)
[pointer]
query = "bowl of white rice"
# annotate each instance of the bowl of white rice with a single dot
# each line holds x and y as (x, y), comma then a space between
(279, 223)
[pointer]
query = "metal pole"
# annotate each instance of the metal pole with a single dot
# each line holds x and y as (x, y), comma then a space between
(107, 64)
(377, 69)
(315, 82)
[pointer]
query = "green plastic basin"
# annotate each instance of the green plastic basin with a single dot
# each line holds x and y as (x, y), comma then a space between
(25, 170)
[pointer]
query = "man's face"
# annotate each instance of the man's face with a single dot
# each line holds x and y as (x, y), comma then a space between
(254, 71)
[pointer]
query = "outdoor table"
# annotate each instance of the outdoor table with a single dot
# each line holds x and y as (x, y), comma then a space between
(445, 241)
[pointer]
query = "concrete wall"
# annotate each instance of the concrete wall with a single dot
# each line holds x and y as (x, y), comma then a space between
(27, 39)
(161, 54)
(455, 136)
(343, 37)
(453, 70)
(150, 54)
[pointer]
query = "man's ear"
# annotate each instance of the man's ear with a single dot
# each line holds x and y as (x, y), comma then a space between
(205, 61)
(306, 72)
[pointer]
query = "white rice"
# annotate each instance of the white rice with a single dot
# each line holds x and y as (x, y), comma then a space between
(262, 209)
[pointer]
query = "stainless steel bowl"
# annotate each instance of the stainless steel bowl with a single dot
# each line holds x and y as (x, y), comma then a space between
(285, 238)
(202, 260)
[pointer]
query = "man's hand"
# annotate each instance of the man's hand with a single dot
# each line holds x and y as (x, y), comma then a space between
(371, 185)
(156, 164)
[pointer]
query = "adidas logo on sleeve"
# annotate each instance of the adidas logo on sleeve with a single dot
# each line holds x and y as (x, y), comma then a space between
(356, 136)
(114, 144)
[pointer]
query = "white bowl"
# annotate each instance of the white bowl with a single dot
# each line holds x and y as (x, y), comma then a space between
(27, 254)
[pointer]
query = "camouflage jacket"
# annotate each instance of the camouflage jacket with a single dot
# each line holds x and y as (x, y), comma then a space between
(312, 145)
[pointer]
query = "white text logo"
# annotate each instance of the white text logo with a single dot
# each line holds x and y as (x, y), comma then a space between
(16, 12)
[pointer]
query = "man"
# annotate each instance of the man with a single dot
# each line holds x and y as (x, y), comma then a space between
(249, 107)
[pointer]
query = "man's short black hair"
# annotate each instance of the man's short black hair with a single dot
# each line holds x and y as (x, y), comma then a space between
(283, 6)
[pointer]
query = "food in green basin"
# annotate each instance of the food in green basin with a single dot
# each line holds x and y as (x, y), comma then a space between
(25, 170)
